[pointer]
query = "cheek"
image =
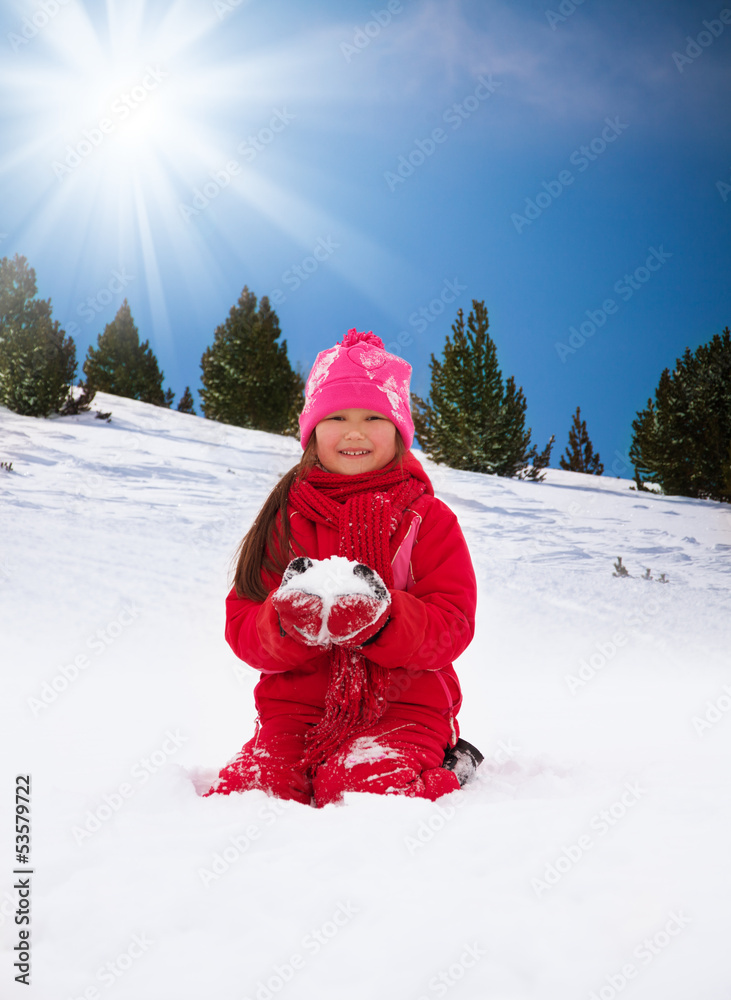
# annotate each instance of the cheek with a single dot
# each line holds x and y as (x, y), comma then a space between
(326, 436)
(386, 438)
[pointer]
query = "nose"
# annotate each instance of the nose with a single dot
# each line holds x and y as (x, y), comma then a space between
(354, 434)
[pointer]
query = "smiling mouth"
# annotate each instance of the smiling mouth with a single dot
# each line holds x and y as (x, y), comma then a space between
(355, 454)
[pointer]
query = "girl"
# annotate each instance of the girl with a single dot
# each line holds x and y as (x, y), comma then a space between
(357, 689)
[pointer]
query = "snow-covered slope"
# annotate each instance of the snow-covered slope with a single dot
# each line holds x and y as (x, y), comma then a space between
(589, 857)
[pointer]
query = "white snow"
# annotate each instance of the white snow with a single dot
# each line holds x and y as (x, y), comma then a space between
(334, 582)
(367, 750)
(589, 858)
(328, 578)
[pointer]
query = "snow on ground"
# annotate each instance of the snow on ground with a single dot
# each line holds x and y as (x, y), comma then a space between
(589, 858)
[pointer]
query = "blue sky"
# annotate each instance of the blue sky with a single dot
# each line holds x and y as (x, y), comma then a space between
(564, 162)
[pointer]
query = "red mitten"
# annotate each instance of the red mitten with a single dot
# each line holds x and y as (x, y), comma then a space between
(358, 615)
(300, 613)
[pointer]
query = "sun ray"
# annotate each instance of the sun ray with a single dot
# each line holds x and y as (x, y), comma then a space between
(155, 289)
(124, 112)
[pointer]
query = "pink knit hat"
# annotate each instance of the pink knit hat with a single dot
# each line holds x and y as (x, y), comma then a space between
(358, 373)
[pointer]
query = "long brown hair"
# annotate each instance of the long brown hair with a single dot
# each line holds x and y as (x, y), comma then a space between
(266, 550)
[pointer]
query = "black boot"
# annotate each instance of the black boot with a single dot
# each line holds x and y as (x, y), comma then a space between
(463, 759)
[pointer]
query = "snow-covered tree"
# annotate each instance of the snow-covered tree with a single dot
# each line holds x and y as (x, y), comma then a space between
(247, 377)
(580, 455)
(682, 438)
(471, 419)
(37, 359)
(120, 364)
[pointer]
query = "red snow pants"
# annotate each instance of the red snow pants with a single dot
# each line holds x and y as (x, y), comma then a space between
(399, 755)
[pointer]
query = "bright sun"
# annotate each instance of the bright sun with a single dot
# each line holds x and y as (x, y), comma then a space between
(116, 117)
(113, 110)
(111, 99)
(130, 118)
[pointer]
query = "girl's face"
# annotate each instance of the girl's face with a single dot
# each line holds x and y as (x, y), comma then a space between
(353, 441)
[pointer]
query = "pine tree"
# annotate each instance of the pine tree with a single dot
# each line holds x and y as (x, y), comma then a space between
(682, 439)
(471, 420)
(123, 366)
(37, 359)
(247, 377)
(185, 404)
(580, 455)
(538, 462)
(80, 403)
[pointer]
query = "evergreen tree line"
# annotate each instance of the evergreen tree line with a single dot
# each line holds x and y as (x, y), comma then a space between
(247, 378)
(472, 418)
(681, 442)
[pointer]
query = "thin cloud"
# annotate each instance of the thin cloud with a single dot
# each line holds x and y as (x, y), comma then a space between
(617, 61)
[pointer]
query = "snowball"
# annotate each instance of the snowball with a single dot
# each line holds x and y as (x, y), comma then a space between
(334, 580)
(329, 578)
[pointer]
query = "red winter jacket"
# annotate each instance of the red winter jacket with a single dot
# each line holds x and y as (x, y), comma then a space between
(432, 621)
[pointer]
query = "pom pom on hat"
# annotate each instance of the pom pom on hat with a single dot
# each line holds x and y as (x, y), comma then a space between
(358, 373)
(352, 337)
